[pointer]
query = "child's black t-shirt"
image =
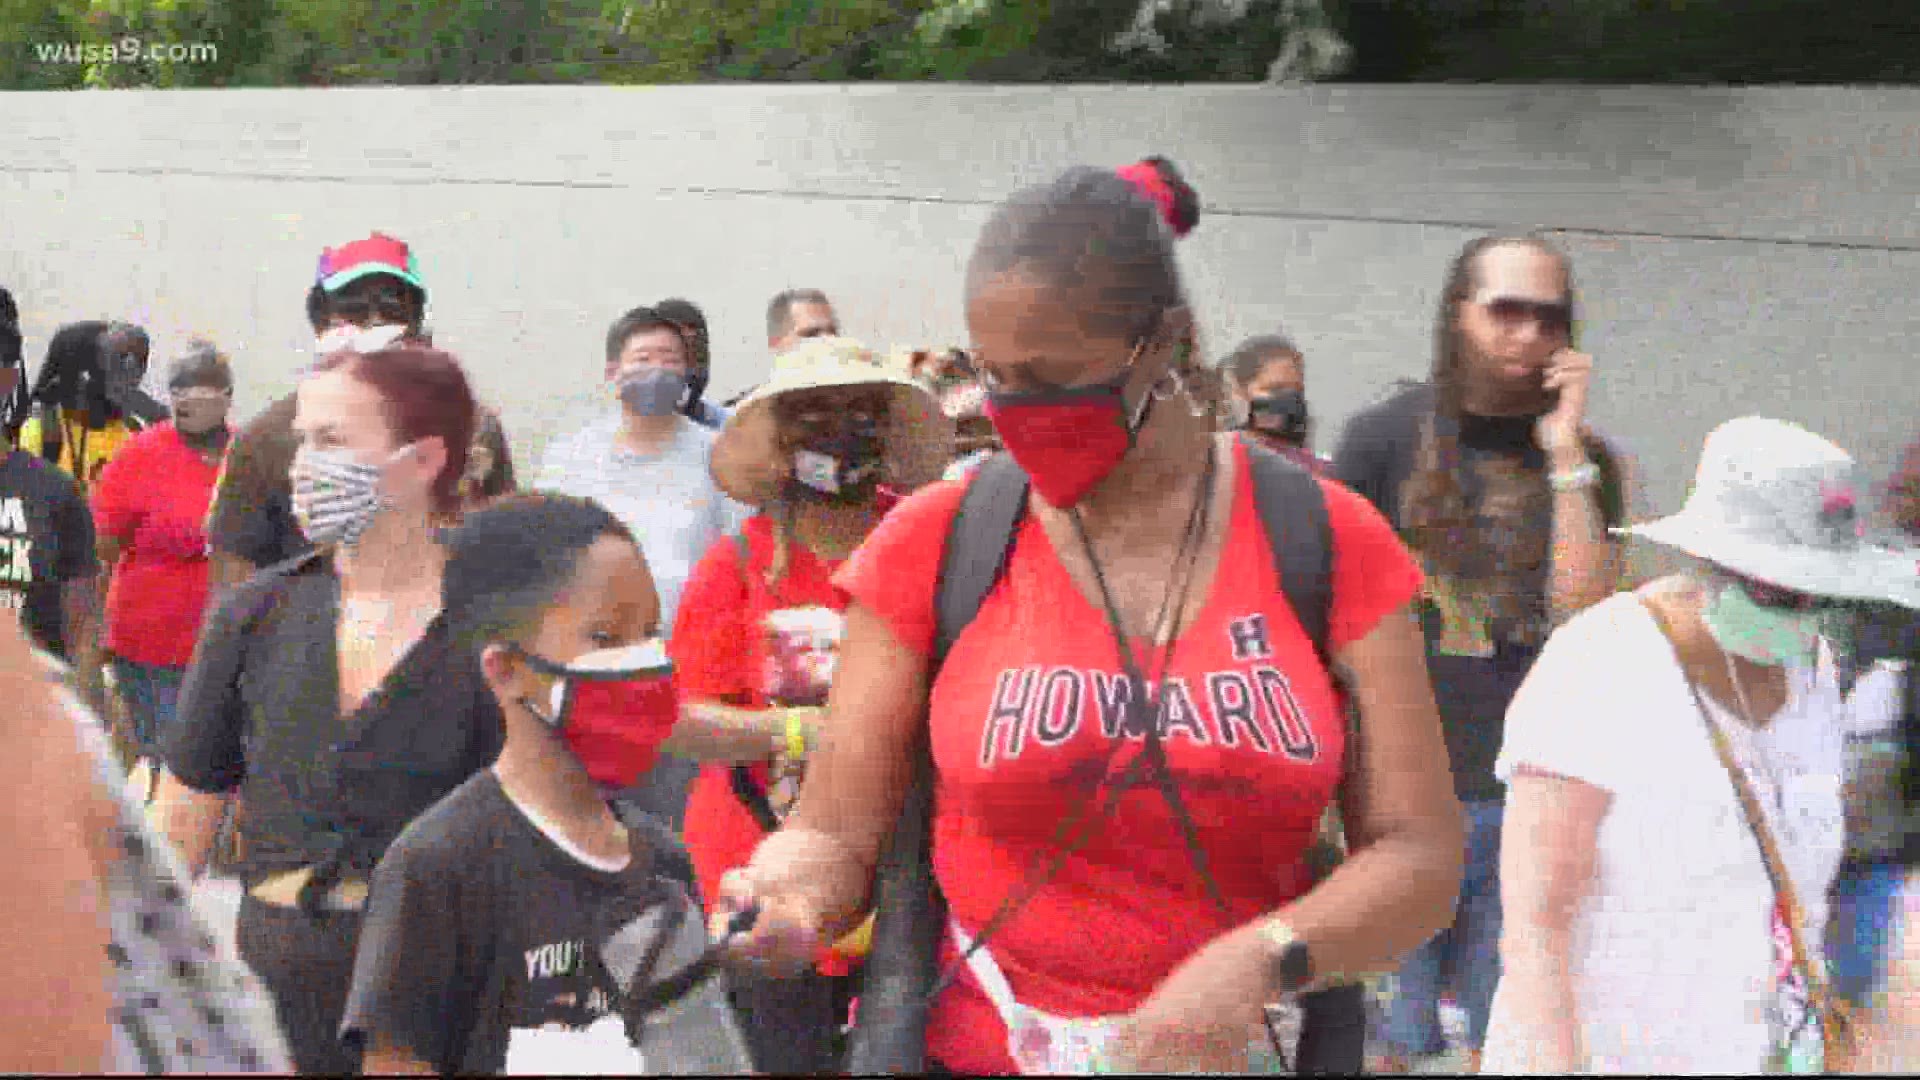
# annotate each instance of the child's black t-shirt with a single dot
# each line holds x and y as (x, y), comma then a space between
(480, 952)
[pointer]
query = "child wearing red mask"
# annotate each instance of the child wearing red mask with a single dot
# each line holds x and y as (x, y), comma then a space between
(512, 927)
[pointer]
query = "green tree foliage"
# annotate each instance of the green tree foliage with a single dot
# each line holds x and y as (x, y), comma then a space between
(403, 42)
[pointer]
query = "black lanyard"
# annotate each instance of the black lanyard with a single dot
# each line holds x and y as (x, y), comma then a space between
(1142, 718)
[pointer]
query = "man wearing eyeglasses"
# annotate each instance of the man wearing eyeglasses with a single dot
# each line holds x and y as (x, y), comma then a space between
(1493, 475)
(366, 295)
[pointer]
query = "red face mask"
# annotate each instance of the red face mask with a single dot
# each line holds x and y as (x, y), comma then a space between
(1067, 440)
(614, 708)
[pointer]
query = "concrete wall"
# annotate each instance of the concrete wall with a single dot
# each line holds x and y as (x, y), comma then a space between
(1739, 250)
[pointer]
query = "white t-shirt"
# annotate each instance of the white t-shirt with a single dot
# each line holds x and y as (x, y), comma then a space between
(668, 500)
(1672, 955)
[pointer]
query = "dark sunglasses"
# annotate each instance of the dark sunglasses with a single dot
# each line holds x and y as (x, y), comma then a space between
(1551, 317)
(829, 407)
(1779, 598)
(385, 306)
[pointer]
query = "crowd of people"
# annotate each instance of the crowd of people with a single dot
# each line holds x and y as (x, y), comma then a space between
(1042, 706)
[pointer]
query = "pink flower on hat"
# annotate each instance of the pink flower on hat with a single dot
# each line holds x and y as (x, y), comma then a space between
(1839, 509)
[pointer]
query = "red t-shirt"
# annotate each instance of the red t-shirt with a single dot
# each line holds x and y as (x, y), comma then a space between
(153, 498)
(722, 650)
(1021, 715)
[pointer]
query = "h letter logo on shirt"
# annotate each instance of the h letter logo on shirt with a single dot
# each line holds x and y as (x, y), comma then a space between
(1249, 637)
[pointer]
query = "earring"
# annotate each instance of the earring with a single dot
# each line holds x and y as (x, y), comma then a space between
(1165, 387)
(1173, 383)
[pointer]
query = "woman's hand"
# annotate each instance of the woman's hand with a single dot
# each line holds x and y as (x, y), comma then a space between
(804, 883)
(1204, 1016)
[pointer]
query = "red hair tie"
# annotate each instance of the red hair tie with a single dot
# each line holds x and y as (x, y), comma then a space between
(1150, 182)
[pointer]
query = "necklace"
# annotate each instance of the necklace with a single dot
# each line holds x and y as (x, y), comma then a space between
(1076, 828)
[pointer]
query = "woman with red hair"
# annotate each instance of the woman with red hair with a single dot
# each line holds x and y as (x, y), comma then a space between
(327, 692)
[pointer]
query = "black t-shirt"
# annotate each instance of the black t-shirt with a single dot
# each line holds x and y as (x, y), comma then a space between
(1884, 819)
(1477, 658)
(482, 943)
(46, 540)
(259, 710)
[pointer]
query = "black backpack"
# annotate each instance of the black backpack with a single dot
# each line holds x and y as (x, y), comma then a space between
(890, 1037)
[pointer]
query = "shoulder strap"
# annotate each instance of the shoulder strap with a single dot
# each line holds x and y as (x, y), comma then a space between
(53, 423)
(740, 777)
(1762, 832)
(1293, 510)
(902, 974)
(978, 544)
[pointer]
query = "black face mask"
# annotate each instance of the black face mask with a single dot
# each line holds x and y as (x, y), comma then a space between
(843, 465)
(1281, 416)
(120, 386)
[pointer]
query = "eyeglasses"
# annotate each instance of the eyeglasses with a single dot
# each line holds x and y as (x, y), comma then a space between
(191, 394)
(1512, 312)
(1780, 598)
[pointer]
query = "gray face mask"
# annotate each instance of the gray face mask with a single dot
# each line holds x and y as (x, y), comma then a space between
(653, 391)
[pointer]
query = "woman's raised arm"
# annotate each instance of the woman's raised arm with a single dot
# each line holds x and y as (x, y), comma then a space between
(812, 877)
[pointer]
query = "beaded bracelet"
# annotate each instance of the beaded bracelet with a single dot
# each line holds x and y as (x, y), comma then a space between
(1576, 478)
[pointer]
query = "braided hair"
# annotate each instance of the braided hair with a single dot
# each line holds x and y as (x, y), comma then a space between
(73, 376)
(13, 410)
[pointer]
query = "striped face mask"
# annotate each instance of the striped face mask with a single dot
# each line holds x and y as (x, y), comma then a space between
(335, 494)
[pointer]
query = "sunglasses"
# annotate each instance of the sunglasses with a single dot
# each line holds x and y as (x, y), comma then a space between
(184, 394)
(1512, 312)
(1779, 598)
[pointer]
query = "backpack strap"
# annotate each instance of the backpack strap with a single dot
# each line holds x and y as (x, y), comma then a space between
(53, 430)
(910, 921)
(1292, 508)
(978, 544)
(740, 776)
(1293, 511)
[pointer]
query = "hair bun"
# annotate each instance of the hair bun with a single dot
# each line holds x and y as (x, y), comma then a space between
(1159, 180)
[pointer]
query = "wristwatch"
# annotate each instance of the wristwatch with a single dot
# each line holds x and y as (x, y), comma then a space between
(1290, 957)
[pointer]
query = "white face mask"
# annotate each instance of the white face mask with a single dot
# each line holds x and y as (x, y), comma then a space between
(336, 496)
(360, 339)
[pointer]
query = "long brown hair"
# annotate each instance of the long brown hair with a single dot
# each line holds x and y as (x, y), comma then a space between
(1440, 524)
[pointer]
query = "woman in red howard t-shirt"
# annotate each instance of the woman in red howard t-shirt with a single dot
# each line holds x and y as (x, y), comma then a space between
(149, 508)
(821, 449)
(1141, 515)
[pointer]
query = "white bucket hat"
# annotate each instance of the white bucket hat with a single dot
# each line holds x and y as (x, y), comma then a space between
(1775, 502)
(918, 435)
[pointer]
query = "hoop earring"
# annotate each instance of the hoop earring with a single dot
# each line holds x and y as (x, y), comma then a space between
(1166, 386)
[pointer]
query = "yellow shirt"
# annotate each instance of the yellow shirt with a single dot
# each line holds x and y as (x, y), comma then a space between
(99, 444)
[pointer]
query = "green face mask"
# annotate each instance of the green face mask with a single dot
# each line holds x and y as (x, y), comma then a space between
(1768, 635)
